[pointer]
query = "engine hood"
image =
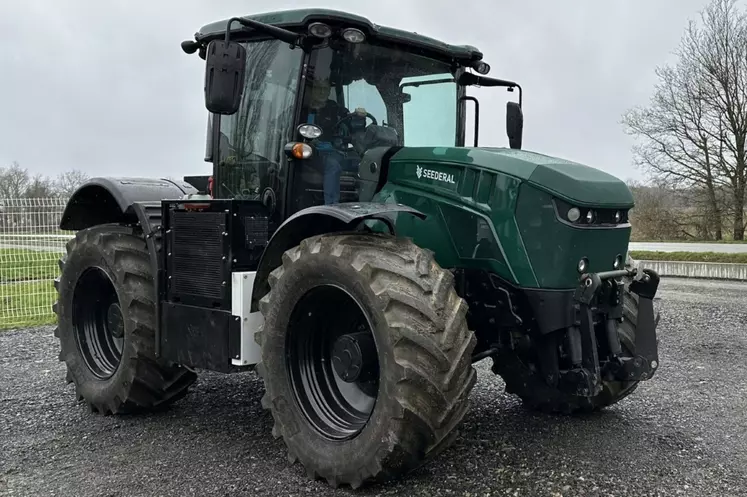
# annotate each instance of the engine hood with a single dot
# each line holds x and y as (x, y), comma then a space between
(576, 183)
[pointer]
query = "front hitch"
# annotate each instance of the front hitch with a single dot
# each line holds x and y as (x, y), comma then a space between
(601, 294)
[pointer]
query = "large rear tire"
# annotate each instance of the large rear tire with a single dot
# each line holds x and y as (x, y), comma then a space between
(527, 382)
(392, 299)
(106, 312)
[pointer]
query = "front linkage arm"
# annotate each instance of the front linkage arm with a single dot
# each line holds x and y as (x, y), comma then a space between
(602, 294)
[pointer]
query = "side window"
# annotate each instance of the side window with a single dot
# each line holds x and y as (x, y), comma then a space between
(252, 140)
(361, 94)
(430, 117)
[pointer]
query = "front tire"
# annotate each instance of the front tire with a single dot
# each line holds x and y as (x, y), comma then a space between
(106, 313)
(416, 361)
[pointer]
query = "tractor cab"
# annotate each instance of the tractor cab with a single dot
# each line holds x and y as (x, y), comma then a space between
(297, 98)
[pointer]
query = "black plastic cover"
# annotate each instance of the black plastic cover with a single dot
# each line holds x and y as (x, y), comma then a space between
(225, 69)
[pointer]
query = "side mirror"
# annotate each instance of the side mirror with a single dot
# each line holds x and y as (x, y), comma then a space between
(514, 124)
(225, 69)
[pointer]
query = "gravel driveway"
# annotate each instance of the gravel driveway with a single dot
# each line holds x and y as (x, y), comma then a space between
(683, 433)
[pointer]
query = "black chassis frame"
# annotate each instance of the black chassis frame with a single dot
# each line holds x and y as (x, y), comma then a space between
(584, 320)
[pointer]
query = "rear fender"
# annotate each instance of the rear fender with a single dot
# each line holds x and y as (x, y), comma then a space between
(316, 221)
(111, 200)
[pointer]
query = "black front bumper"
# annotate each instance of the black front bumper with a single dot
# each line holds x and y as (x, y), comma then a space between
(600, 295)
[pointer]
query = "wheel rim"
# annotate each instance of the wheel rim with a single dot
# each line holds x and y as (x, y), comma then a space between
(98, 323)
(332, 362)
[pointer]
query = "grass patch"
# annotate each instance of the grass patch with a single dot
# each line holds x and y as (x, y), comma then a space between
(26, 287)
(689, 256)
(27, 265)
(26, 304)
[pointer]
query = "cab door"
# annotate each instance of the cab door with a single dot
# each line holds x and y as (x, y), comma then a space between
(249, 161)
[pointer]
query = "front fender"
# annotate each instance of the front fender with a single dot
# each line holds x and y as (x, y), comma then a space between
(318, 220)
(110, 200)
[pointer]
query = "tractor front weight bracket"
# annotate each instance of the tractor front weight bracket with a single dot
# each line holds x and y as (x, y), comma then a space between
(646, 348)
(645, 362)
(600, 295)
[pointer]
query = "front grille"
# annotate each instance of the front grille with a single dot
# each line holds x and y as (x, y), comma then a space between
(197, 254)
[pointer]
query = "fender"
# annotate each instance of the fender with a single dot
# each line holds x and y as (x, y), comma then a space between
(111, 200)
(318, 220)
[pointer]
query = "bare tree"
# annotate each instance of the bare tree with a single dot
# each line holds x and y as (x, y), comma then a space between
(659, 213)
(719, 50)
(40, 187)
(676, 146)
(14, 181)
(69, 181)
(694, 130)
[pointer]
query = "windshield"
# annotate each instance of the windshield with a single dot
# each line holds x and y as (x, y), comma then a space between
(413, 98)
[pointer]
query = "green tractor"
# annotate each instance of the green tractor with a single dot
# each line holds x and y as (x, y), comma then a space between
(351, 247)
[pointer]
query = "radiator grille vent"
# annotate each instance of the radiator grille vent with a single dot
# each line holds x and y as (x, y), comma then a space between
(197, 254)
(256, 229)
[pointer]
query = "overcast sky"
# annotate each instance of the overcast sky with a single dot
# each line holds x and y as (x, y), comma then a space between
(103, 86)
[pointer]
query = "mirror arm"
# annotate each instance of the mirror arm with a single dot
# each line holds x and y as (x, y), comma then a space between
(469, 79)
(277, 33)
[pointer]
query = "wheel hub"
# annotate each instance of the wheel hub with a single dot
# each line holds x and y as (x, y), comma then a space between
(98, 322)
(354, 357)
(114, 320)
(333, 362)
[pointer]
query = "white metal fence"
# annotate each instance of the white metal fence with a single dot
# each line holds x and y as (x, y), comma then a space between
(30, 245)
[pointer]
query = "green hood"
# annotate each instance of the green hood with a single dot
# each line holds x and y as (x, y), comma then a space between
(571, 181)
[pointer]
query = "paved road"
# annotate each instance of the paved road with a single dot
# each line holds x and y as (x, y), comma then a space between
(729, 248)
(683, 433)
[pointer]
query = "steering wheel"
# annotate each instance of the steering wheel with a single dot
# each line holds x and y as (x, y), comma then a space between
(351, 115)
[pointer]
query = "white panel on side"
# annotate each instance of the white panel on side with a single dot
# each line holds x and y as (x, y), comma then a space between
(241, 302)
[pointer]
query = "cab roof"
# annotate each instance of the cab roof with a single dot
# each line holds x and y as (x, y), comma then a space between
(299, 19)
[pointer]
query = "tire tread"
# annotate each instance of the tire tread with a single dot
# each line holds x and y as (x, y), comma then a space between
(431, 342)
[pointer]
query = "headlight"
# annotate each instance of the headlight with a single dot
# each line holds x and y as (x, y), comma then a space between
(618, 216)
(590, 217)
(310, 131)
(353, 35)
(320, 30)
(583, 265)
(618, 262)
(574, 214)
(482, 68)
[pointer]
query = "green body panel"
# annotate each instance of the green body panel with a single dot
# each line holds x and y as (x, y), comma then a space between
(573, 182)
(300, 18)
(554, 248)
(493, 209)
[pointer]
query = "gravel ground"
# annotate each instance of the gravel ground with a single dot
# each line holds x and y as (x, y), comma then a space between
(682, 433)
